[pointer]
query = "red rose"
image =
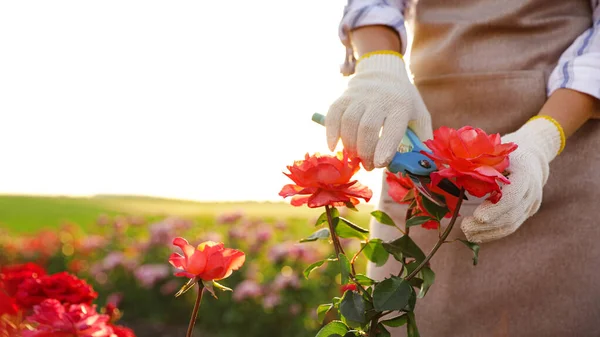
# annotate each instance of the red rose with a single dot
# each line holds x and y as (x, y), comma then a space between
(400, 189)
(64, 287)
(210, 261)
(122, 331)
(471, 159)
(52, 319)
(349, 286)
(7, 304)
(13, 275)
(322, 180)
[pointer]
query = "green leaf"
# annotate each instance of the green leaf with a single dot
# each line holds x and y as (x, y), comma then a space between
(352, 307)
(346, 231)
(382, 217)
(364, 280)
(322, 234)
(410, 267)
(382, 331)
(412, 301)
(322, 311)
(333, 328)
(396, 321)
(189, 285)
(351, 206)
(323, 217)
(354, 226)
(404, 247)
(418, 220)
(316, 265)
(416, 282)
(474, 247)
(392, 294)
(428, 277)
(436, 211)
(344, 268)
(375, 252)
(411, 326)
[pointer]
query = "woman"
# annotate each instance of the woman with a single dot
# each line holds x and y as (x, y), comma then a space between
(492, 65)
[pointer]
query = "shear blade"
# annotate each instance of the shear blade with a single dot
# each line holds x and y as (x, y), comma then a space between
(449, 187)
(421, 185)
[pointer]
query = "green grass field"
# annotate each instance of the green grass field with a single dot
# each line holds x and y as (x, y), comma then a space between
(26, 214)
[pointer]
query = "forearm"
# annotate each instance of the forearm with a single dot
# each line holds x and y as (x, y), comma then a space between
(570, 108)
(373, 38)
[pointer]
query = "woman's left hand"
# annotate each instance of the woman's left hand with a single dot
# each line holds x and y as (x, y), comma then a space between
(538, 141)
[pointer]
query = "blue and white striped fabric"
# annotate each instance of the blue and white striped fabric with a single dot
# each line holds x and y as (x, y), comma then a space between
(578, 68)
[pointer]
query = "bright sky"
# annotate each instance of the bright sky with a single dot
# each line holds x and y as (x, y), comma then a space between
(203, 100)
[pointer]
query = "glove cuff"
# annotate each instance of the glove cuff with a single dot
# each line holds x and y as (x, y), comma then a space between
(386, 61)
(547, 134)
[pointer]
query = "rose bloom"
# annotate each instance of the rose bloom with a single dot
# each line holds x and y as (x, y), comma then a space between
(349, 286)
(400, 187)
(321, 180)
(7, 304)
(121, 331)
(210, 261)
(52, 319)
(64, 287)
(470, 158)
(13, 275)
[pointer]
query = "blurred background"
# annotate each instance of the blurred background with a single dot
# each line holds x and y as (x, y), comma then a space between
(126, 123)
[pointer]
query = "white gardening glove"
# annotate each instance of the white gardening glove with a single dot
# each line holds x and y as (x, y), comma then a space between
(539, 142)
(379, 93)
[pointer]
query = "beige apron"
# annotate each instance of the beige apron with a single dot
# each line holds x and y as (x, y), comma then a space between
(485, 63)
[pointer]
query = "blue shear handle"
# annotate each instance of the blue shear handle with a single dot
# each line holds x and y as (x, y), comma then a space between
(403, 162)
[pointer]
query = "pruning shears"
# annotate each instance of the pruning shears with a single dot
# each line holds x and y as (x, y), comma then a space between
(411, 162)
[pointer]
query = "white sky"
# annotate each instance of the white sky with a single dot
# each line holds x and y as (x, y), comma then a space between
(204, 100)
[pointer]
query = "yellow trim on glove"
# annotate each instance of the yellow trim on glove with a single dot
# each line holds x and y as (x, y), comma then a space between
(563, 138)
(379, 52)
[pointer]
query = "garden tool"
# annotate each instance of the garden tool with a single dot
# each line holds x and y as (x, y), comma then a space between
(410, 162)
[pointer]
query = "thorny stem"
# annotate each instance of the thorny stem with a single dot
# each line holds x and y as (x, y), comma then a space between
(442, 238)
(373, 327)
(338, 249)
(195, 311)
(375, 322)
(355, 257)
(336, 242)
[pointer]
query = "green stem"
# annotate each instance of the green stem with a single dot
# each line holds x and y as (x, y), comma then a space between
(442, 239)
(373, 327)
(195, 311)
(336, 242)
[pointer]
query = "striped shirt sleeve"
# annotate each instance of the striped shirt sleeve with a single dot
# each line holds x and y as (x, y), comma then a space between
(360, 13)
(579, 66)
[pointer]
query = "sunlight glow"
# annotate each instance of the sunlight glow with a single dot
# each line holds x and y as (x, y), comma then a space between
(188, 99)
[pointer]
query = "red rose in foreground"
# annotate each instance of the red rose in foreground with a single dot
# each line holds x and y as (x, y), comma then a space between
(471, 159)
(210, 261)
(122, 331)
(13, 275)
(64, 287)
(321, 180)
(55, 320)
(7, 304)
(400, 187)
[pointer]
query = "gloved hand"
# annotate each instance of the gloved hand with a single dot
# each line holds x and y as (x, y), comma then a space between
(379, 95)
(539, 141)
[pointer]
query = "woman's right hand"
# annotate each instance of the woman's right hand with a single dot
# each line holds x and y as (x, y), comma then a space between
(380, 95)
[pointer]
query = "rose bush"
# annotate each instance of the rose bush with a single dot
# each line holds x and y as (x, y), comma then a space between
(469, 158)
